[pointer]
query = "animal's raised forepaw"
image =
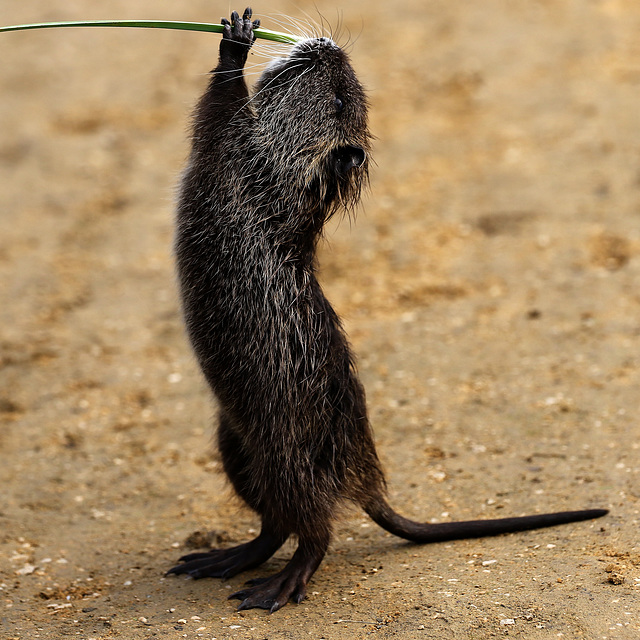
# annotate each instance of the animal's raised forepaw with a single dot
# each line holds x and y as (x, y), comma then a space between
(237, 38)
(240, 30)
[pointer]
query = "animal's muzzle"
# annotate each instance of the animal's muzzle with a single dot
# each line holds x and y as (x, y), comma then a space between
(347, 158)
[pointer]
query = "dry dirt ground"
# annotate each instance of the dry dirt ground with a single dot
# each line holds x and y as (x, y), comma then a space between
(490, 288)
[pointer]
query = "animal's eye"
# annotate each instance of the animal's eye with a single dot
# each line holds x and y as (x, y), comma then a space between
(338, 104)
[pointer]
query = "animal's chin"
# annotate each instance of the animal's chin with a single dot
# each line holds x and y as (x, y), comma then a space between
(345, 190)
(338, 181)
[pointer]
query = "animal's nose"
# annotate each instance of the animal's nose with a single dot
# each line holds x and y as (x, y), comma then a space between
(357, 156)
(348, 157)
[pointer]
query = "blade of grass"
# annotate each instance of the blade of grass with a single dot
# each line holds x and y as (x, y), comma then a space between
(266, 34)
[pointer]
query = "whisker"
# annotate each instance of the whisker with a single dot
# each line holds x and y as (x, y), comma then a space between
(325, 26)
(340, 23)
(298, 27)
(313, 30)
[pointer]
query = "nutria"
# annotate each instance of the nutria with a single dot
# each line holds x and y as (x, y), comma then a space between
(265, 173)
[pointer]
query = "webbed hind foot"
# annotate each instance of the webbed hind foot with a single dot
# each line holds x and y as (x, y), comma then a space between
(225, 563)
(274, 592)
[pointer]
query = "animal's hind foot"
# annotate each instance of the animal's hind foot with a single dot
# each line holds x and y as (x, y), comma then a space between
(274, 592)
(225, 563)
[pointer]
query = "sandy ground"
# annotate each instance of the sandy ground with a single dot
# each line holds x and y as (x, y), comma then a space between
(490, 288)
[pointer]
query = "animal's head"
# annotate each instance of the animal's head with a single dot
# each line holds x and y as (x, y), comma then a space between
(312, 114)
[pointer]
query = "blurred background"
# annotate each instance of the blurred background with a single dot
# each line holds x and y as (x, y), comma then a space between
(489, 285)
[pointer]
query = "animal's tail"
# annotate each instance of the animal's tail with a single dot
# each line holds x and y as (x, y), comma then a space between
(381, 513)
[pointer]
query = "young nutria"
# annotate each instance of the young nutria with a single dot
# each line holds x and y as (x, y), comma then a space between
(264, 175)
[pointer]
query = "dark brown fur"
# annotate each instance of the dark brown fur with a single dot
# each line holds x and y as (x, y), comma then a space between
(264, 175)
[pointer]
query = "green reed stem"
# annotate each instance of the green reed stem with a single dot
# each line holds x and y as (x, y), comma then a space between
(266, 34)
